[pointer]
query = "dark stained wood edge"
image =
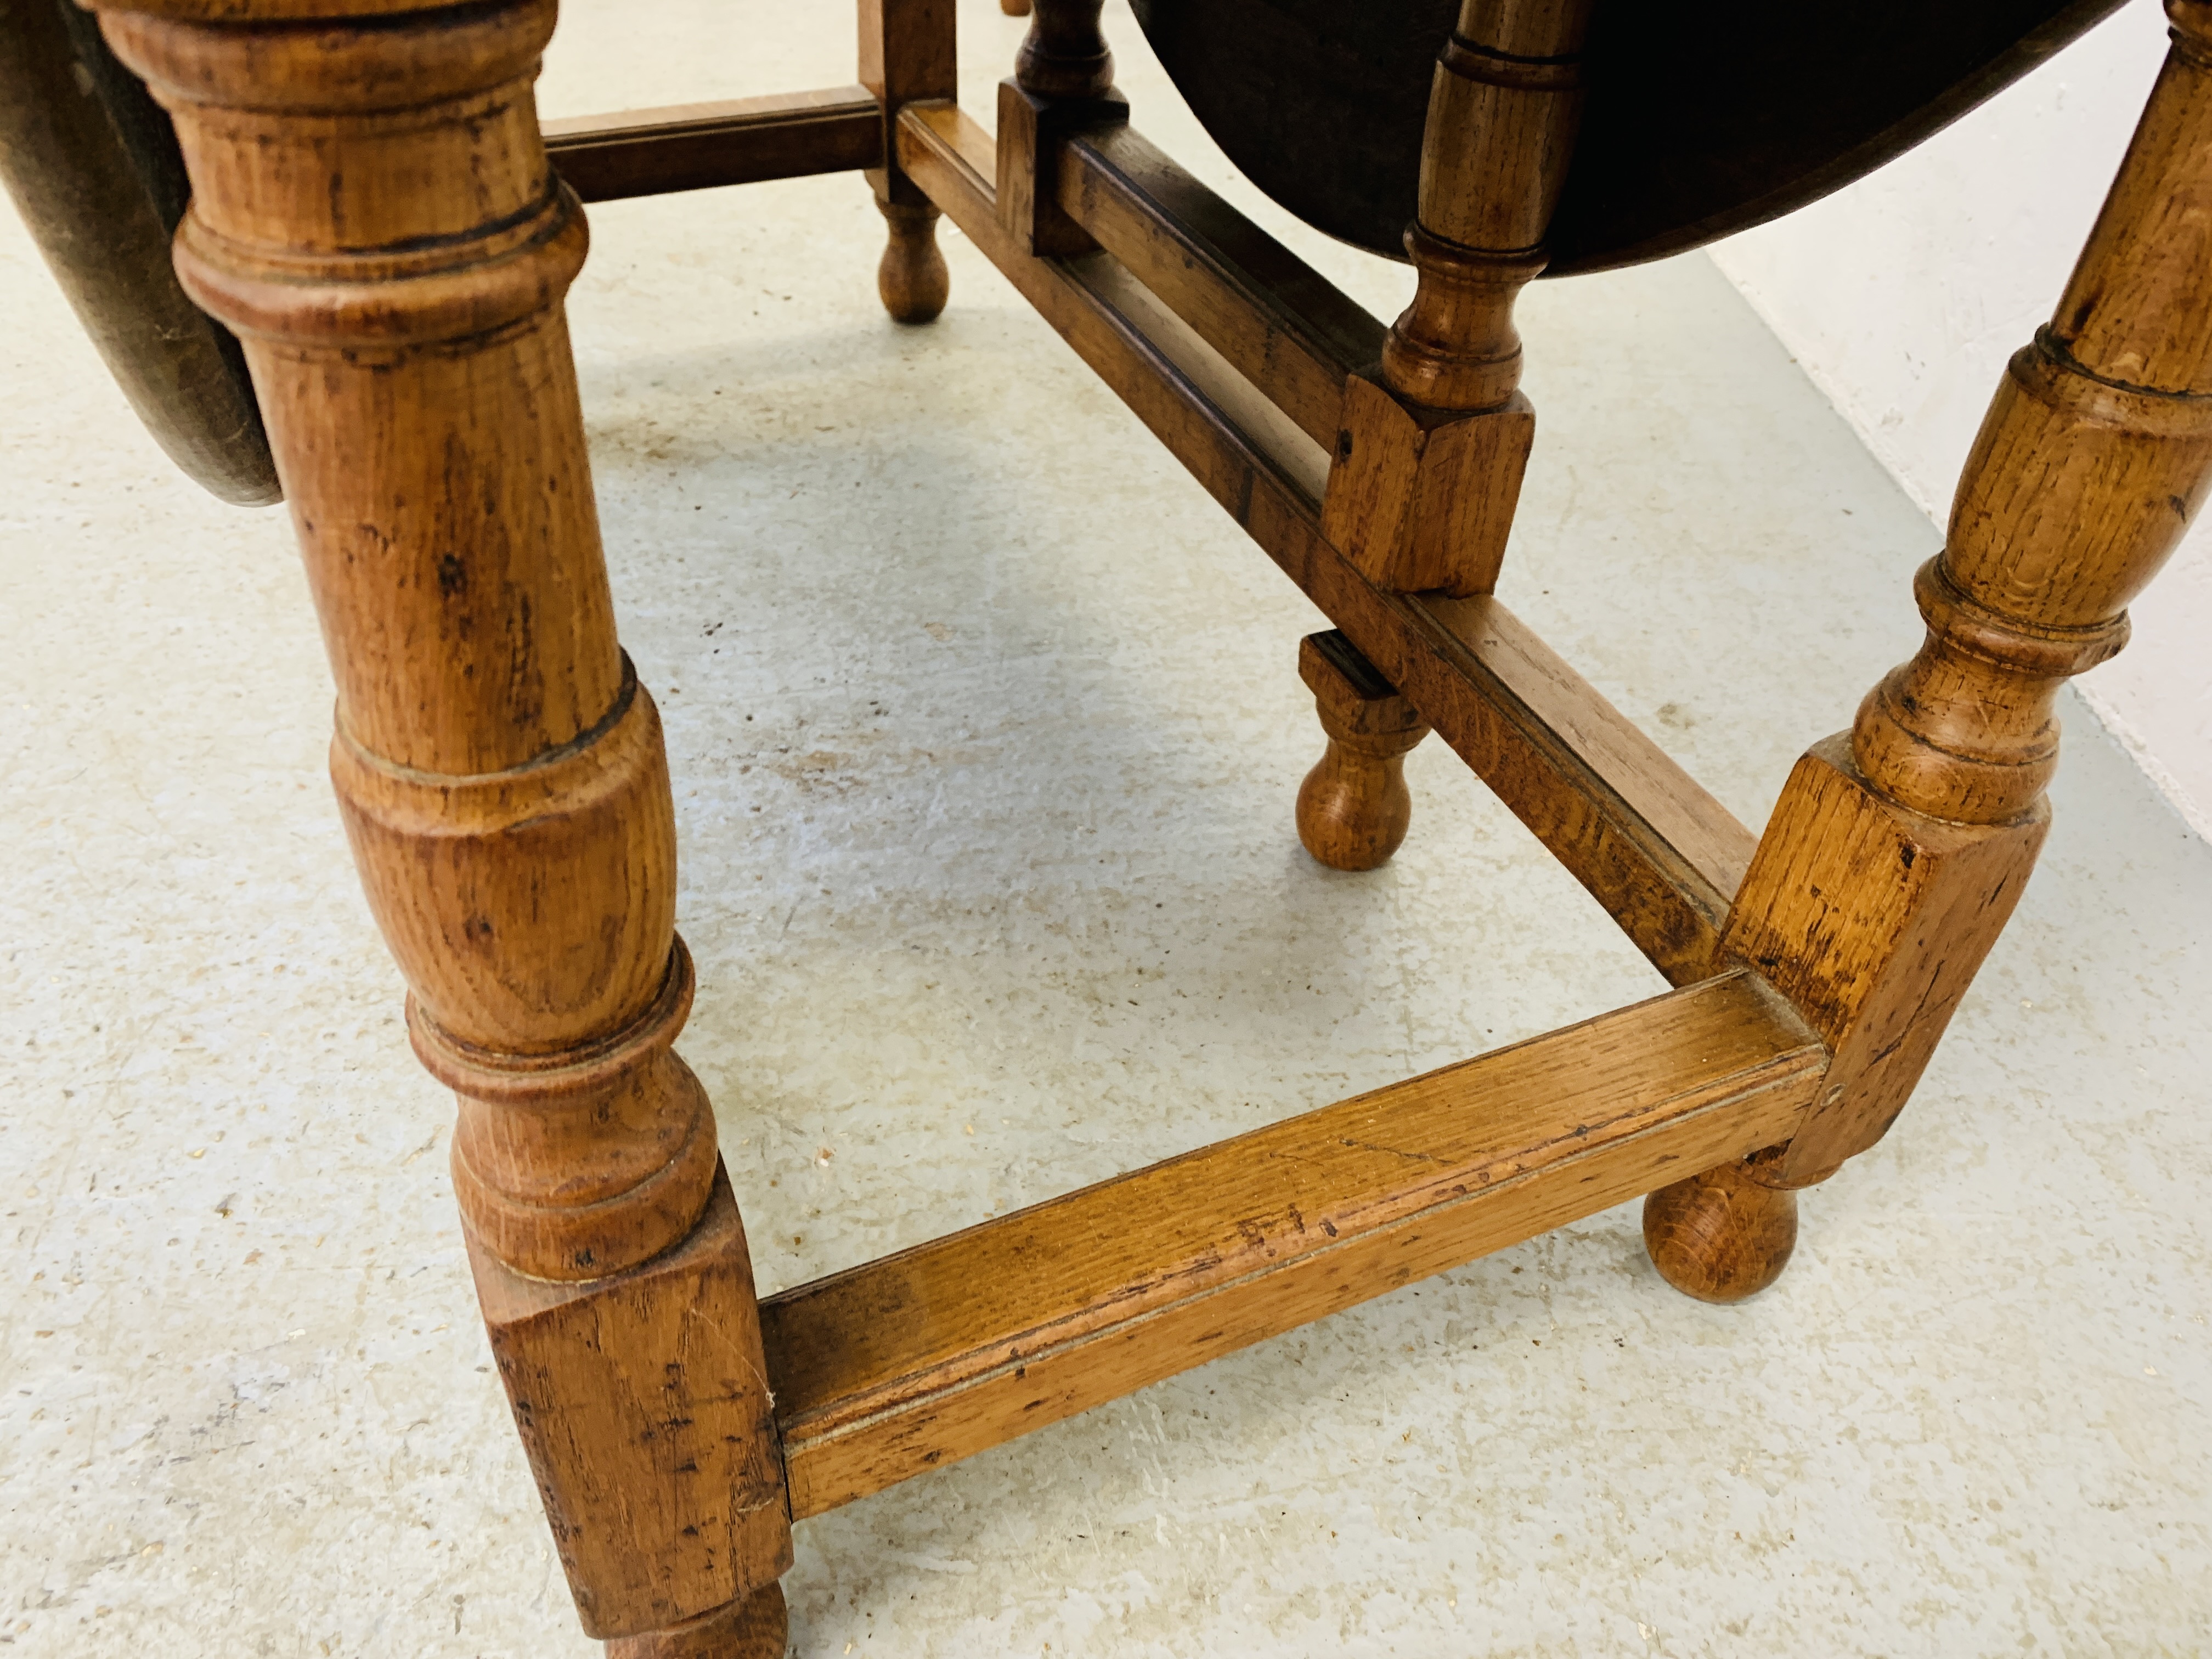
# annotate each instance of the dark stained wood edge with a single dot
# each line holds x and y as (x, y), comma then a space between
(654, 152)
(1653, 847)
(1282, 324)
(930, 1355)
(92, 164)
(1878, 150)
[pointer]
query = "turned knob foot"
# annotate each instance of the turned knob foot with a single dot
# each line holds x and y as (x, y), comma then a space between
(1353, 807)
(755, 1626)
(1721, 1235)
(911, 276)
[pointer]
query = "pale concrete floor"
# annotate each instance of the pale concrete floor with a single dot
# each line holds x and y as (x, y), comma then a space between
(986, 729)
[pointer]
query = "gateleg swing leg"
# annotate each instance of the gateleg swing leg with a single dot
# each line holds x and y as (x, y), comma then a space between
(1433, 447)
(907, 56)
(1899, 849)
(374, 215)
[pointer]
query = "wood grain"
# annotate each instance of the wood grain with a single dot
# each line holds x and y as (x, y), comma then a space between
(641, 1406)
(908, 50)
(1282, 324)
(373, 212)
(1064, 55)
(755, 1626)
(927, 1357)
(1032, 131)
(1872, 920)
(1721, 1235)
(741, 140)
(1607, 802)
(1430, 459)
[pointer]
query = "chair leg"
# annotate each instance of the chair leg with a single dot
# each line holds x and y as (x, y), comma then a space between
(1898, 849)
(373, 214)
(1353, 807)
(906, 56)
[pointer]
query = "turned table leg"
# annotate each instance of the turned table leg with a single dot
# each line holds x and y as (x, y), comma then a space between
(1898, 849)
(1353, 807)
(1429, 461)
(373, 215)
(906, 55)
(1428, 466)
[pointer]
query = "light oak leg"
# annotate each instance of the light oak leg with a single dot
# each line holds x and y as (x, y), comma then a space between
(373, 214)
(1353, 807)
(906, 55)
(1898, 849)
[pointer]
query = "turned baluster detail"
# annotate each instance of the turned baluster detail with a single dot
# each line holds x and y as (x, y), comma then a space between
(1503, 113)
(1898, 849)
(2095, 453)
(1065, 53)
(1430, 462)
(374, 215)
(1353, 807)
(499, 769)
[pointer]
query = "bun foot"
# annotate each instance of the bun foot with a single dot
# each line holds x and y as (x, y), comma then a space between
(1721, 1236)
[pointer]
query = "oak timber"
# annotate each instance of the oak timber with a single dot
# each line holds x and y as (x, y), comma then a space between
(740, 140)
(1722, 1235)
(933, 1354)
(1282, 324)
(373, 215)
(1652, 847)
(1894, 856)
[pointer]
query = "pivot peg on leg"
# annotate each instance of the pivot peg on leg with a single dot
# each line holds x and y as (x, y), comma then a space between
(911, 276)
(1723, 1236)
(1353, 807)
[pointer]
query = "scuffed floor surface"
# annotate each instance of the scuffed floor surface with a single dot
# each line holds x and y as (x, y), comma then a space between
(985, 727)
